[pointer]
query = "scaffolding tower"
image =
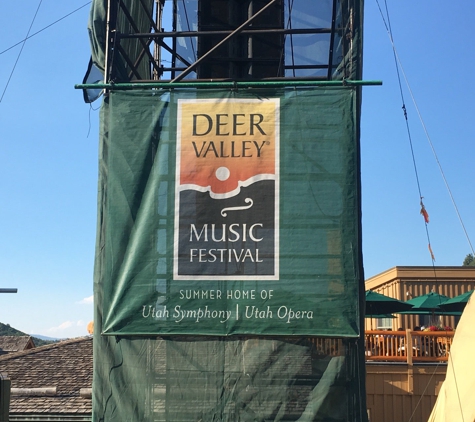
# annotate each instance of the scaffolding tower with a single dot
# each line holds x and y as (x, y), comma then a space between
(229, 40)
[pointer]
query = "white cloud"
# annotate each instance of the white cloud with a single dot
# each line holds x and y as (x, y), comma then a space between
(68, 329)
(87, 300)
(61, 327)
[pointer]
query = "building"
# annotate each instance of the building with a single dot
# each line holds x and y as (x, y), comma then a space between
(54, 382)
(397, 391)
(404, 283)
(11, 344)
(51, 383)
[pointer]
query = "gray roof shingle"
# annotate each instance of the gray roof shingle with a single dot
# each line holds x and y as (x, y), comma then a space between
(10, 344)
(66, 365)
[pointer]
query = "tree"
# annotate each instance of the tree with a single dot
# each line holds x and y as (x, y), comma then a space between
(6, 330)
(469, 260)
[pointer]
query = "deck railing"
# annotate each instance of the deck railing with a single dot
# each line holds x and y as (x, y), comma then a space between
(328, 346)
(408, 346)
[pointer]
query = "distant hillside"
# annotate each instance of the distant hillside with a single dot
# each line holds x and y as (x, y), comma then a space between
(50, 339)
(6, 330)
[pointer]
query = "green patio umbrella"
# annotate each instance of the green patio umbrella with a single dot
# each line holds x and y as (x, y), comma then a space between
(379, 305)
(428, 304)
(457, 303)
(379, 316)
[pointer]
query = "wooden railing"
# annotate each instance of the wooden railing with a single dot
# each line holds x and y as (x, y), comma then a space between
(408, 346)
(328, 346)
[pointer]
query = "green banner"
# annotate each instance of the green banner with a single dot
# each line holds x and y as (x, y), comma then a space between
(232, 212)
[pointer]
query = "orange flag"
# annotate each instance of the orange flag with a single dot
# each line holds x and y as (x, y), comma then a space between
(424, 213)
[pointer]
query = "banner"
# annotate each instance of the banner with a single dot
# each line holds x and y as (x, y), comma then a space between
(227, 202)
(232, 212)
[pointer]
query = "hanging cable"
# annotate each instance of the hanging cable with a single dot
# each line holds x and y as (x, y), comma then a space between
(19, 54)
(399, 65)
(46, 27)
(423, 393)
(423, 209)
(436, 159)
(451, 361)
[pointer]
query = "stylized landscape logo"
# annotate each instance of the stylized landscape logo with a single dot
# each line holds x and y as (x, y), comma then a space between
(227, 184)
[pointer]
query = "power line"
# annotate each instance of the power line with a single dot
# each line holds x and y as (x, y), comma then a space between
(423, 212)
(399, 66)
(46, 27)
(19, 54)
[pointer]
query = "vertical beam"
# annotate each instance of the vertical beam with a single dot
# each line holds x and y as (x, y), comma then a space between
(157, 49)
(174, 43)
(231, 35)
(107, 47)
(410, 367)
(408, 347)
(332, 42)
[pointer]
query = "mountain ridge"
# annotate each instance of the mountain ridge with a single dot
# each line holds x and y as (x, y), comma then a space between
(7, 330)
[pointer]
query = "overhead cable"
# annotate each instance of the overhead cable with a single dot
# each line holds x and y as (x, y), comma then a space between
(423, 211)
(19, 54)
(46, 27)
(427, 134)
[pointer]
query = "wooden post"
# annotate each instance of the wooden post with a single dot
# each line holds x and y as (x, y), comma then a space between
(408, 347)
(410, 368)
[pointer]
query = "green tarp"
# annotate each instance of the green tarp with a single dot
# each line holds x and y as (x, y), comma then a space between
(140, 22)
(227, 379)
(285, 260)
(143, 373)
(232, 213)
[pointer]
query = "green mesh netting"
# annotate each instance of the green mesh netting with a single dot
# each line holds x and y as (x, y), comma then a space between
(271, 248)
(227, 379)
(151, 365)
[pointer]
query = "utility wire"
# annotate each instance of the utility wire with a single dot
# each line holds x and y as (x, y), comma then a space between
(428, 136)
(423, 393)
(19, 54)
(451, 361)
(437, 160)
(423, 210)
(46, 27)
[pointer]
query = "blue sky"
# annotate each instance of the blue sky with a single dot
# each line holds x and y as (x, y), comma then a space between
(49, 147)
(434, 47)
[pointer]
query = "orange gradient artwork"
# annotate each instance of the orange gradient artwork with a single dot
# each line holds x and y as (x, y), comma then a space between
(225, 145)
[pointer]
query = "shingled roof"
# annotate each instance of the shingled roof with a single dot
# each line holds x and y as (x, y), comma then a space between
(51, 380)
(9, 344)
